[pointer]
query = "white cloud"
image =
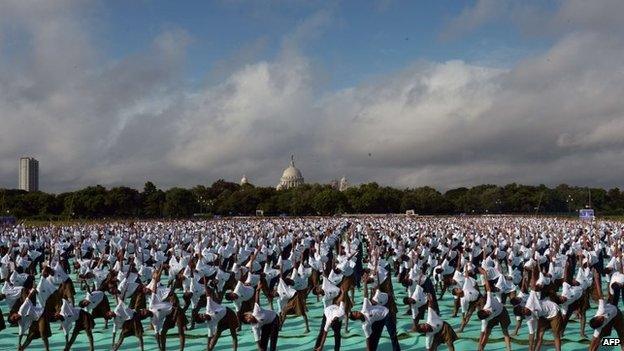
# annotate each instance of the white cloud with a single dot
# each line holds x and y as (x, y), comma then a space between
(550, 118)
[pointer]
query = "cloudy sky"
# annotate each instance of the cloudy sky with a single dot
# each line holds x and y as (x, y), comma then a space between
(406, 93)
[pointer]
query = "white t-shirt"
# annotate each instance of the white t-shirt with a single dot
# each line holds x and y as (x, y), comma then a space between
(333, 312)
(373, 314)
(608, 311)
(548, 309)
(493, 305)
(436, 324)
(216, 313)
(265, 317)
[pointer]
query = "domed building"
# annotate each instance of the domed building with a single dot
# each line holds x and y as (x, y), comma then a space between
(244, 180)
(343, 184)
(291, 177)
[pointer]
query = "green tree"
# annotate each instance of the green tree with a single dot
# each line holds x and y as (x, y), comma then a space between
(329, 201)
(123, 202)
(152, 201)
(179, 203)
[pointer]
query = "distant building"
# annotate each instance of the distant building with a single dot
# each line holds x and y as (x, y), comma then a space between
(340, 185)
(343, 185)
(29, 174)
(291, 177)
(244, 180)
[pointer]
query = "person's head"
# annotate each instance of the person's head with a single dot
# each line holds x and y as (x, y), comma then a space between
(616, 287)
(231, 296)
(197, 317)
(14, 318)
(114, 290)
(109, 315)
(143, 289)
(424, 328)
(408, 300)
(483, 314)
(356, 316)
(145, 313)
(248, 318)
(596, 322)
(46, 272)
(84, 303)
(457, 292)
(318, 291)
(521, 311)
(515, 301)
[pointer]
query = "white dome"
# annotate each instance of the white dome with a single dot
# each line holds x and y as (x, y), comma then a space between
(291, 177)
(292, 173)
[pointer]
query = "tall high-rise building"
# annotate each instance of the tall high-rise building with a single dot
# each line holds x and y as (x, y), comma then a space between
(29, 174)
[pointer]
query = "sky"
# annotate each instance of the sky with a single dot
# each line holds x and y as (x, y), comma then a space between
(442, 93)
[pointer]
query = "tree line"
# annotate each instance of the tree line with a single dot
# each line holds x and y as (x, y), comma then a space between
(231, 199)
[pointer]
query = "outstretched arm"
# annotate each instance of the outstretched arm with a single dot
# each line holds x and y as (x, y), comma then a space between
(597, 283)
(534, 273)
(566, 271)
(486, 283)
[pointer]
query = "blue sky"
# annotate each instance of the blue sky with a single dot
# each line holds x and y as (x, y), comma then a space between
(361, 38)
(405, 93)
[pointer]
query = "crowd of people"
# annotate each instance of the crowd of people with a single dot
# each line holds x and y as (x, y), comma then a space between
(239, 277)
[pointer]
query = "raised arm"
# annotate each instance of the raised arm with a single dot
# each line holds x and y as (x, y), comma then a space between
(597, 283)
(486, 283)
(534, 276)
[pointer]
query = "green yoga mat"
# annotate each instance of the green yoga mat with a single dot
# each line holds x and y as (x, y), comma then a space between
(292, 337)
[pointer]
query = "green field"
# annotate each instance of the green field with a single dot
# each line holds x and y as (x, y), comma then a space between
(292, 337)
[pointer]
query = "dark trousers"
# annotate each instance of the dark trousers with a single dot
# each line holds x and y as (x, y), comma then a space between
(335, 326)
(269, 332)
(373, 339)
(357, 274)
(390, 322)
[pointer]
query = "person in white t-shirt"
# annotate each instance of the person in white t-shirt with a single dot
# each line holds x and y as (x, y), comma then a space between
(219, 318)
(492, 314)
(333, 315)
(265, 326)
(373, 318)
(607, 318)
(437, 331)
(540, 315)
(75, 320)
(573, 299)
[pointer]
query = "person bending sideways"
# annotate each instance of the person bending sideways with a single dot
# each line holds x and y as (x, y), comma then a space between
(265, 326)
(493, 314)
(436, 330)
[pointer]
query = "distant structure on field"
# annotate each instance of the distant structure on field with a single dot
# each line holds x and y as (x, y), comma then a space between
(291, 177)
(344, 185)
(340, 185)
(244, 180)
(29, 174)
